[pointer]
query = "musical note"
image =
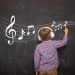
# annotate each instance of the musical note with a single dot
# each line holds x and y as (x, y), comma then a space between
(30, 27)
(9, 32)
(59, 26)
(56, 28)
(53, 23)
(66, 22)
(22, 33)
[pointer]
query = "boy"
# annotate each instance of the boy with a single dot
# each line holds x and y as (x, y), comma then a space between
(45, 56)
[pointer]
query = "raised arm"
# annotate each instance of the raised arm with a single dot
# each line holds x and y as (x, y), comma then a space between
(62, 42)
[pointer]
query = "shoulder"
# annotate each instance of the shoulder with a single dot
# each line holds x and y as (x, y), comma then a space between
(53, 42)
(37, 50)
(38, 46)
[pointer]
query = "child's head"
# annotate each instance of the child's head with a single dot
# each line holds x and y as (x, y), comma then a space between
(45, 33)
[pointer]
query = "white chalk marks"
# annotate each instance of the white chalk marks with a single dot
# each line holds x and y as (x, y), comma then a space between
(11, 33)
(22, 34)
(31, 27)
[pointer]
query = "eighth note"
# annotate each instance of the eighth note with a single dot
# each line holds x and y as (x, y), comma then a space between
(31, 27)
(65, 23)
(53, 23)
(22, 33)
(58, 27)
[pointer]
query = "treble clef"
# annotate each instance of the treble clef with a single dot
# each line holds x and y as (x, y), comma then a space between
(9, 32)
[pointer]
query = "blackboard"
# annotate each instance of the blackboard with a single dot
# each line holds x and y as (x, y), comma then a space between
(17, 59)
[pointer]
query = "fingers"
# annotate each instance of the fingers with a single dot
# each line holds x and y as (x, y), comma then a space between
(66, 30)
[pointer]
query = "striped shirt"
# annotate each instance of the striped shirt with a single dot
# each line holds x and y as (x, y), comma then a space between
(46, 56)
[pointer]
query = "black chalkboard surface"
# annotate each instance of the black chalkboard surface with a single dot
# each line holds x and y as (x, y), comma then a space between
(17, 59)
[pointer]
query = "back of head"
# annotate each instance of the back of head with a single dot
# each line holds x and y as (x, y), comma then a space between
(44, 34)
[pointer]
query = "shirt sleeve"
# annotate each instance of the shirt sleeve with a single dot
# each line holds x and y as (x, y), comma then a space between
(61, 43)
(36, 59)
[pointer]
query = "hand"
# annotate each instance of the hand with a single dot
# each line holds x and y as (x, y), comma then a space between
(66, 31)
